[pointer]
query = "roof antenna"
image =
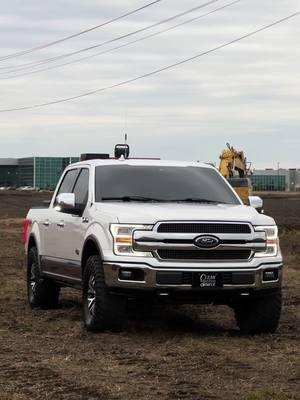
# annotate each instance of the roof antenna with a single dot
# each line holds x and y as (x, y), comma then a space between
(122, 150)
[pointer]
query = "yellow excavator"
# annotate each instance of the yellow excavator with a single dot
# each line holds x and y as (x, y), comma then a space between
(235, 168)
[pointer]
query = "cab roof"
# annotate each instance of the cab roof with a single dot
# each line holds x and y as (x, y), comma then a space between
(140, 162)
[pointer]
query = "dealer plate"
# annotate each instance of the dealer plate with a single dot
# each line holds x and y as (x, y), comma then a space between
(208, 280)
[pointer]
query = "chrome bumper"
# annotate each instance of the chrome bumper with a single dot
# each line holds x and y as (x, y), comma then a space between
(112, 276)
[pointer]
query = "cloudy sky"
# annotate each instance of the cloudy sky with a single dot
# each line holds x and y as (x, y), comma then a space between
(247, 94)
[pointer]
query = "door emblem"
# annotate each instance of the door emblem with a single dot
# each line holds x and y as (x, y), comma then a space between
(207, 241)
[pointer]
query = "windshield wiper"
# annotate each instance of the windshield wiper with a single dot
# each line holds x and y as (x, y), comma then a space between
(132, 198)
(198, 200)
(151, 199)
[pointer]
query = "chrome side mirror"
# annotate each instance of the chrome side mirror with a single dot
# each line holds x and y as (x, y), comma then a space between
(65, 201)
(257, 203)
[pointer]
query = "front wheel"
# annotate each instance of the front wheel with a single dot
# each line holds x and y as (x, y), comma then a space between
(259, 315)
(101, 310)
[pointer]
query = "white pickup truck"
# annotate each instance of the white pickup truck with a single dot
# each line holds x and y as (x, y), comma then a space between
(122, 228)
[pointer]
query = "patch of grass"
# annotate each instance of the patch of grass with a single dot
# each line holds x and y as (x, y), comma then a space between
(267, 394)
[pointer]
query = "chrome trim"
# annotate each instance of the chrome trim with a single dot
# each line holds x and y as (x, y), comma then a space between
(111, 274)
(204, 259)
(201, 222)
(160, 236)
(152, 246)
(152, 241)
(54, 275)
(129, 281)
(276, 280)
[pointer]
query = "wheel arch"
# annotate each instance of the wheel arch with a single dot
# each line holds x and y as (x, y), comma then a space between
(32, 242)
(34, 238)
(91, 247)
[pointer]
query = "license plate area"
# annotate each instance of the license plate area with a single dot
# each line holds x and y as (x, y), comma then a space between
(207, 280)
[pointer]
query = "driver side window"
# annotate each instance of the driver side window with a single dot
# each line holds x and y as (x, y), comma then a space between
(81, 189)
(68, 182)
(76, 181)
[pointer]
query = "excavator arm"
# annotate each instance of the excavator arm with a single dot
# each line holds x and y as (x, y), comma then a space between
(234, 167)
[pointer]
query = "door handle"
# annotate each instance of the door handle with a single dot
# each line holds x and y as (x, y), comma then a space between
(46, 223)
(61, 224)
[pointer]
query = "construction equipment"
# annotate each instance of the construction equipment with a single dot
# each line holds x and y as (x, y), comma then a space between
(235, 168)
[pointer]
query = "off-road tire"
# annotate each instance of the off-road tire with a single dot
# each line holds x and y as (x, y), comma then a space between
(101, 309)
(42, 293)
(259, 315)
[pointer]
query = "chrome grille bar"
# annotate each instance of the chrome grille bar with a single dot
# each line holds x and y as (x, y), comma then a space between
(156, 241)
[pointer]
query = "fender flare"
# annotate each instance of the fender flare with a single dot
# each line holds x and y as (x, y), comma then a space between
(90, 238)
(32, 236)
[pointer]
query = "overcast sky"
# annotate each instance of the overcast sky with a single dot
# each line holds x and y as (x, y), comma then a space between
(247, 94)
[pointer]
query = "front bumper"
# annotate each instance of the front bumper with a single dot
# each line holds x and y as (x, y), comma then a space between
(143, 276)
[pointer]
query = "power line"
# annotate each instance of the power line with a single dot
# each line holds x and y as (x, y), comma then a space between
(56, 58)
(155, 72)
(123, 45)
(52, 59)
(28, 51)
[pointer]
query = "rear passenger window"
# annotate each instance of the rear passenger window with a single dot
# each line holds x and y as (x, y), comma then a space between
(68, 182)
(81, 189)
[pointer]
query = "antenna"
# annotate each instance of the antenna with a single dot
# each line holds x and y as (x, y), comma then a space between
(125, 138)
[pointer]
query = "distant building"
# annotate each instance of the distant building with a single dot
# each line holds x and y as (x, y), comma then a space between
(38, 172)
(8, 172)
(273, 180)
(44, 173)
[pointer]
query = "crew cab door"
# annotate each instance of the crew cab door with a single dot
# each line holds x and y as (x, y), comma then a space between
(71, 227)
(66, 231)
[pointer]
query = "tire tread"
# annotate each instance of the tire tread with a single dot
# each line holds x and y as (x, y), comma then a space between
(109, 312)
(47, 292)
(259, 315)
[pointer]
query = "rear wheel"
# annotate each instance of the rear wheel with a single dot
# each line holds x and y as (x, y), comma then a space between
(101, 310)
(41, 293)
(260, 315)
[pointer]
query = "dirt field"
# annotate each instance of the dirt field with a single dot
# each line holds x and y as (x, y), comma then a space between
(191, 352)
(284, 207)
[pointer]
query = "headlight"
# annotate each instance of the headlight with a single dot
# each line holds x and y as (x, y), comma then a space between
(123, 239)
(271, 239)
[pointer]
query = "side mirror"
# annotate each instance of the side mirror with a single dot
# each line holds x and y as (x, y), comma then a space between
(257, 203)
(65, 202)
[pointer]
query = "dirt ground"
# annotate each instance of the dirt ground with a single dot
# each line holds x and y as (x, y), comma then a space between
(283, 207)
(190, 352)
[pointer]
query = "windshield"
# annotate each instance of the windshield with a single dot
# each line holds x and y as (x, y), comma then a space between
(161, 183)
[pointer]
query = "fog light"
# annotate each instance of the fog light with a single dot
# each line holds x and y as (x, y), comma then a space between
(131, 275)
(270, 275)
(126, 275)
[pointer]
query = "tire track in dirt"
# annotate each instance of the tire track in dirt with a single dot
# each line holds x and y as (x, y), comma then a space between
(37, 382)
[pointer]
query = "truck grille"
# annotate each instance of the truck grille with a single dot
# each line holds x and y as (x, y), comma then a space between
(240, 255)
(203, 228)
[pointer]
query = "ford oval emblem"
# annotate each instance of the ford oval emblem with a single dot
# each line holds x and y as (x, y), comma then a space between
(207, 242)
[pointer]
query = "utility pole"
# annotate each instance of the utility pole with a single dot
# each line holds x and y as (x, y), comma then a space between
(34, 174)
(278, 165)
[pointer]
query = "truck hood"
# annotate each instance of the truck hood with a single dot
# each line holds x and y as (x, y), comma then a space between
(150, 213)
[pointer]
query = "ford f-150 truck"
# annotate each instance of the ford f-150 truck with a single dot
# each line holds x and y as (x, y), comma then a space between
(119, 229)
